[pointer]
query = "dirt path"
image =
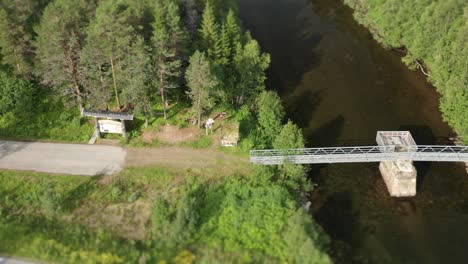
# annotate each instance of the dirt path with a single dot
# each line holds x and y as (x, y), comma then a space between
(182, 157)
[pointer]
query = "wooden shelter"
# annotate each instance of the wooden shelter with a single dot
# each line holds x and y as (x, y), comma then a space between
(108, 122)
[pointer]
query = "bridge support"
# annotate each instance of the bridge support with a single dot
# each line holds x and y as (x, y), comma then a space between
(400, 177)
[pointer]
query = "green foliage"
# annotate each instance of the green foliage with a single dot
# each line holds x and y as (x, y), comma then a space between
(255, 219)
(290, 137)
(303, 240)
(61, 35)
(201, 82)
(250, 65)
(169, 42)
(28, 113)
(209, 30)
(202, 142)
(16, 95)
(110, 38)
(270, 112)
(249, 218)
(195, 214)
(17, 19)
(49, 199)
(435, 35)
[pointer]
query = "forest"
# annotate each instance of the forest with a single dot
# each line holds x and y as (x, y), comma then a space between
(147, 57)
(125, 55)
(434, 36)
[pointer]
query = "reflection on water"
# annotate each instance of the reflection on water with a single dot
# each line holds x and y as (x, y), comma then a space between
(341, 87)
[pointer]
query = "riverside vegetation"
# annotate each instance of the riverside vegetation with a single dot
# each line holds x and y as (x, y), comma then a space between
(434, 35)
(59, 56)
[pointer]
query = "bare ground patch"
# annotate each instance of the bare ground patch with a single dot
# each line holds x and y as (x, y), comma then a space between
(171, 135)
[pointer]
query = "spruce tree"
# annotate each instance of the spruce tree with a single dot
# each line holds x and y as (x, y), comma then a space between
(209, 31)
(222, 48)
(233, 31)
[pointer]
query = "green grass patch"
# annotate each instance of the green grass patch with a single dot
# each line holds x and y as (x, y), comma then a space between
(48, 121)
(191, 215)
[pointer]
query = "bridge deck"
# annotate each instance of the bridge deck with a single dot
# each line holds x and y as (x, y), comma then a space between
(359, 154)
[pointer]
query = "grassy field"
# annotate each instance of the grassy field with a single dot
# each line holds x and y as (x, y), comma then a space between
(155, 214)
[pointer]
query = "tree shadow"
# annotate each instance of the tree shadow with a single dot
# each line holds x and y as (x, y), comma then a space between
(341, 222)
(285, 32)
(73, 198)
(10, 147)
(302, 106)
(327, 135)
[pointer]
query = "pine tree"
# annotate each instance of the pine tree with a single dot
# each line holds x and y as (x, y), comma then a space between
(169, 41)
(136, 91)
(110, 35)
(17, 19)
(58, 45)
(201, 82)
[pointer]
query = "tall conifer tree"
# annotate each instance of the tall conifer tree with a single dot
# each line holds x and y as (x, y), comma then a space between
(110, 35)
(169, 44)
(209, 30)
(201, 82)
(17, 19)
(61, 35)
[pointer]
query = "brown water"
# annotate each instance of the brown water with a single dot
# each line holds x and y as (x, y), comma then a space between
(342, 87)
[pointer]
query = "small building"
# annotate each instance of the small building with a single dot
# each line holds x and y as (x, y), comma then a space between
(108, 122)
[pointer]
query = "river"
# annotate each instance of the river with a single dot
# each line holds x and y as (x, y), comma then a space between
(341, 87)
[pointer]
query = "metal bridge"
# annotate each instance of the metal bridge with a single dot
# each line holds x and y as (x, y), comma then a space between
(360, 154)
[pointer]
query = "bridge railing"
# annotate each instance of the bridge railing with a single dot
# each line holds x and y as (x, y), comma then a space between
(442, 149)
(358, 154)
(322, 155)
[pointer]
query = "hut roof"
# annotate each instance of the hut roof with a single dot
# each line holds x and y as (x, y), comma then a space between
(107, 114)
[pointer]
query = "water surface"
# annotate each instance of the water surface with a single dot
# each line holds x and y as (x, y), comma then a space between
(342, 87)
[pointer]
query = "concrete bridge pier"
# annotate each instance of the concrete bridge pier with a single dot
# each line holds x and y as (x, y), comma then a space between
(400, 177)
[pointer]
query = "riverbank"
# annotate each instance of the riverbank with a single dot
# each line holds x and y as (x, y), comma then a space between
(434, 37)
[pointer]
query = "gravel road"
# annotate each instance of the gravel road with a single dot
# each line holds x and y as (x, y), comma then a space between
(77, 159)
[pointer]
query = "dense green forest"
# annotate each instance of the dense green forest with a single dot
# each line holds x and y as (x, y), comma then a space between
(146, 56)
(434, 34)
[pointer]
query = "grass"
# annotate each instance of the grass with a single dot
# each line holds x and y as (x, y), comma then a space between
(70, 215)
(155, 213)
(49, 121)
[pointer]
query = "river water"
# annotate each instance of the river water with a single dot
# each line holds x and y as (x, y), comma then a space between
(341, 87)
